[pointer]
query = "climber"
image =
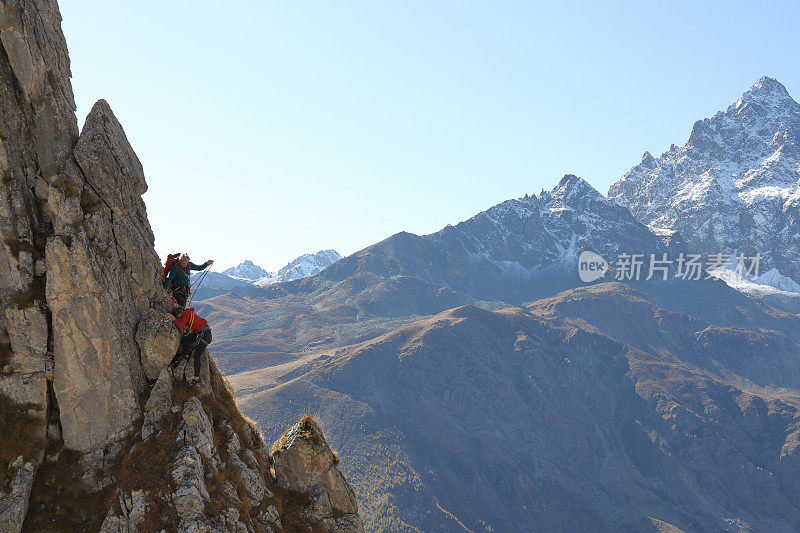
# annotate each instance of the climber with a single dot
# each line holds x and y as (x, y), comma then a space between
(196, 335)
(176, 277)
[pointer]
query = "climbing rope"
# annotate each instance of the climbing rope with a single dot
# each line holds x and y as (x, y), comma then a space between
(194, 286)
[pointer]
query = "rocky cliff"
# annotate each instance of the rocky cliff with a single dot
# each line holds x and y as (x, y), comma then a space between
(95, 432)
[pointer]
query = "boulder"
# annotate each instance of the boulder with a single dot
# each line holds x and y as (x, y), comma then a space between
(158, 340)
(304, 463)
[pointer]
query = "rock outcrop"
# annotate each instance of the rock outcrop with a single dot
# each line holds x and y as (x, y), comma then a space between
(87, 406)
(305, 464)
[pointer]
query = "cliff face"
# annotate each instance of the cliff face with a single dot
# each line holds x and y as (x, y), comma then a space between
(86, 405)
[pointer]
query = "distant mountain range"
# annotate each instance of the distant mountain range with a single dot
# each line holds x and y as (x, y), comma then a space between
(247, 274)
(478, 384)
(515, 251)
(304, 266)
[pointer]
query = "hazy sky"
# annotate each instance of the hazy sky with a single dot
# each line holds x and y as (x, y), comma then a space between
(272, 129)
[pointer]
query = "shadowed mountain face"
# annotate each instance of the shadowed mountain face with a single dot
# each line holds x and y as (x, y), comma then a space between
(592, 410)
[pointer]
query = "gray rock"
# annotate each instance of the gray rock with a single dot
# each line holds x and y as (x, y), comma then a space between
(251, 479)
(133, 509)
(24, 380)
(27, 329)
(158, 404)
(95, 378)
(158, 341)
(101, 283)
(14, 504)
(304, 463)
(197, 429)
(190, 494)
(231, 520)
(233, 446)
(269, 519)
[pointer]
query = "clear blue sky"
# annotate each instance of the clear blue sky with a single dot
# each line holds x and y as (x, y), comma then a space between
(271, 129)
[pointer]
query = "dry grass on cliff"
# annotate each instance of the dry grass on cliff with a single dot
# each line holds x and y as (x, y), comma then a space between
(21, 434)
(148, 466)
(223, 401)
(61, 502)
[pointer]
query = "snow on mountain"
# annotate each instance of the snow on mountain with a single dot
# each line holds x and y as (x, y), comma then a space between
(773, 278)
(305, 266)
(550, 230)
(246, 270)
(247, 274)
(518, 250)
(734, 186)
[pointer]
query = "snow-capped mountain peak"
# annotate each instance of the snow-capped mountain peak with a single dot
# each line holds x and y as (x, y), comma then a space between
(247, 274)
(735, 184)
(304, 266)
(246, 270)
(648, 160)
(766, 92)
(571, 190)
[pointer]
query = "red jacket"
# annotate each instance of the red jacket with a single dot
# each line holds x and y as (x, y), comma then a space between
(191, 320)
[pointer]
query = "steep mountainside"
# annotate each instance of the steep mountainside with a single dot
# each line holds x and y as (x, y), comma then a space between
(733, 186)
(595, 410)
(96, 433)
